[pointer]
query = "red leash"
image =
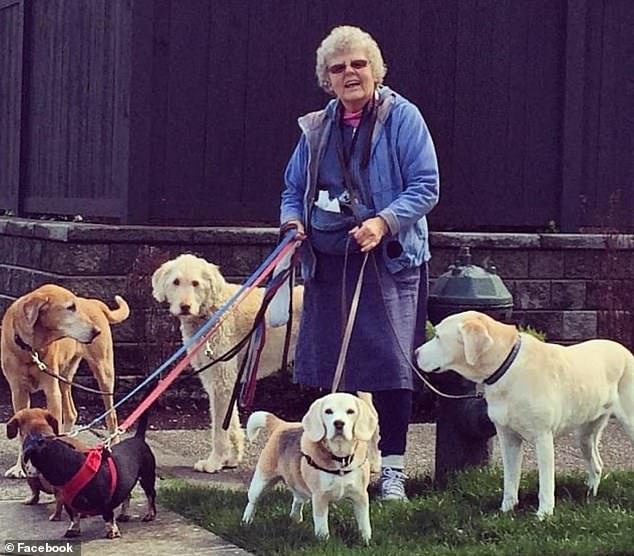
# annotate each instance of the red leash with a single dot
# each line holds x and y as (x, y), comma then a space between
(179, 367)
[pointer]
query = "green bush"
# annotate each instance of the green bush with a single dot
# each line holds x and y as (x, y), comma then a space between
(539, 334)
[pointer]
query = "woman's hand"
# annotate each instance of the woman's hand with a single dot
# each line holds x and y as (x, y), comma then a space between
(370, 233)
(293, 224)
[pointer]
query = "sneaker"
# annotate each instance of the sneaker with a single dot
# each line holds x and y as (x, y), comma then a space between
(392, 484)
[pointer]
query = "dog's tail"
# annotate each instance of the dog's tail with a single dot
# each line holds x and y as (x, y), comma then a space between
(142, 426)
(119, 314)
(261, 420)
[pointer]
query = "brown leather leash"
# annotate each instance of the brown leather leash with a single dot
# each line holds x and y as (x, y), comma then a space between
(347, 334)
(345, 342)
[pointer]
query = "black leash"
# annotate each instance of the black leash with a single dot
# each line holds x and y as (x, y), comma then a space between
(259, 318)
(236, 349)
(416, 370)
(35, 357)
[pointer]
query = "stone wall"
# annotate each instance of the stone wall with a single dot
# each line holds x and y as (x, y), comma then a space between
(573, 287)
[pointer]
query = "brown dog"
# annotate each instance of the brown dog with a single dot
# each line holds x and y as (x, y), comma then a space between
(63, 329)
(40, 421)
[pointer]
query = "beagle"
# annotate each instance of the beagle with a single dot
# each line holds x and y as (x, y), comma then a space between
(324, 458)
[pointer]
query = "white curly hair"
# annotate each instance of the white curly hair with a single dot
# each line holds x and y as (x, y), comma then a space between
(343, 39)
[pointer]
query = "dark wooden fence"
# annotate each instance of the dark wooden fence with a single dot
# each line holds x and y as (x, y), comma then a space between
(184, 112)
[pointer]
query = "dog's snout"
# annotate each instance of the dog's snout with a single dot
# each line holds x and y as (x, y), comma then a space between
(185, 308)
(95, 332)
(338, 424)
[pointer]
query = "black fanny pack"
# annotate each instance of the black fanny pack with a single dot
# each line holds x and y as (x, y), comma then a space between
(329, 231)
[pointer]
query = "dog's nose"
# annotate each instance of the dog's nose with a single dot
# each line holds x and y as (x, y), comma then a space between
(338, 424)
(95, 332)
(185, 308)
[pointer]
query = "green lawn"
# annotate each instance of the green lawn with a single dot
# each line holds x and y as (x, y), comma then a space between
(462, 520)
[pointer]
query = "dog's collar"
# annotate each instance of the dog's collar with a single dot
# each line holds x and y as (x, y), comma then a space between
(33, 438)
(22, 344)
(345, 461)
(497, 375)
(30, 440)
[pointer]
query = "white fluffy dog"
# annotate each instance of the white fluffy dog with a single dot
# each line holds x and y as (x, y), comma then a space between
(194, 289)
(536, 391)
(323, 459)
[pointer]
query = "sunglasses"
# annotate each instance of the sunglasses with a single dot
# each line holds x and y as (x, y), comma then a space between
(354, 64)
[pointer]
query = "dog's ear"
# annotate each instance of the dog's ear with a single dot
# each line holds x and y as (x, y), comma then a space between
(367, 421)
(313, 425)
(50, 419)
(13, 426)
(476, 339)
(31, 308)
(158, 281)
(214, 279)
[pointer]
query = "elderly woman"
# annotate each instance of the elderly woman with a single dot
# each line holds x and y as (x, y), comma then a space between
(361, 179)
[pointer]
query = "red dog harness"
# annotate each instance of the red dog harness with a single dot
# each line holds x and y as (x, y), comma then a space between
(87, 472)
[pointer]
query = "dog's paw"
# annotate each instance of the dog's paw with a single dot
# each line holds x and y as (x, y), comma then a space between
(112, 531)
(247, 516)
(209, 465)
(31, 500)
(508, 504)
(123, 518)
(72, 533)
(543, 514)
(113, 534)
(322, 534)
(375, 465)
(297, 515)
(230, 465)
(149, 516)
(593, 485)
(15, 472)
(55, 516)
(232, 461)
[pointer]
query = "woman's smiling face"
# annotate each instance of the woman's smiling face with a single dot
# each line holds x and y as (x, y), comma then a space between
(351, 78)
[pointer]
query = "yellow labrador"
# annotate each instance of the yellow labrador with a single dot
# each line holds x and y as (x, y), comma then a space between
(536, 391)
(324, 458)
(63, 329)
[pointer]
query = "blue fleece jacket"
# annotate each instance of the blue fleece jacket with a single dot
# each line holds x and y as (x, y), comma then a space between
(402, 174)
